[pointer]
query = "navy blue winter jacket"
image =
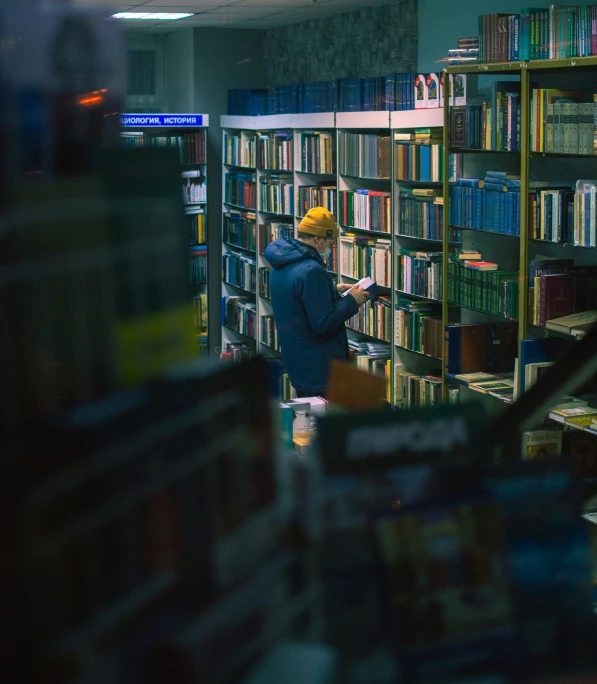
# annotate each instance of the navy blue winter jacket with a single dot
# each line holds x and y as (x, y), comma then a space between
(309, 313)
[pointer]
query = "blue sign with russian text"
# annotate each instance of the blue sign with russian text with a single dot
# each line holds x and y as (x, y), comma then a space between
(161, 120)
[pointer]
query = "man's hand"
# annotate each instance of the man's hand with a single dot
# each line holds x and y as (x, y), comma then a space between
(361, 296)
(342, 287)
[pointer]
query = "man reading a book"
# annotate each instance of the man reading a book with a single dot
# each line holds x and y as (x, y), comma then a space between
(309, 310)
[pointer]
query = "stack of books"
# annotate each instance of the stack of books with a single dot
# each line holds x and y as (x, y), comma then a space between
(499, 385)
(467, 52)
(576, 325)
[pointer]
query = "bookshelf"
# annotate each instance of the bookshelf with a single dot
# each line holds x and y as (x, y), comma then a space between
(529, 249)
(333, 157)
(187, 133)
(240, 278)
(315, 170)
(365, 241)
(417, 336)
(276, 209)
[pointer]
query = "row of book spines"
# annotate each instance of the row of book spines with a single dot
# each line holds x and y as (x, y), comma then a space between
(553, 295)
(536, 33)
(318, 153)
(200, 311)
(485, 210)
(480, 347)
(191, 145)
(238, 313)
(412, 390)
(269, 333)
(365, 154)
(493, 292)
(276, 154)
(240, 150)
(479, 127)
(362, 268)
(198, 267)
(366, 209)
(420, 162)
(420, 331)
(360, 258)
(394, 91)
(264, 282)
(277, 199)
(422, 219)
(373, 319)
(562, 127)
(197, 228)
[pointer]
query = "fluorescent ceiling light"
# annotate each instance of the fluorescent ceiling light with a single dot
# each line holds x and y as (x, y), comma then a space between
(156, 16)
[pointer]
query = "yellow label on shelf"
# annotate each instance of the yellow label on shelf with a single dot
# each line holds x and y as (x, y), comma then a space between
(150, 345)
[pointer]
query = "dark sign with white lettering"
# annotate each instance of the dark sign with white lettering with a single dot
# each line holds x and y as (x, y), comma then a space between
(449, 435)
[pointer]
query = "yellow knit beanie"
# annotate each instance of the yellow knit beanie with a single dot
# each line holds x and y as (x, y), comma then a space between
(320, 222)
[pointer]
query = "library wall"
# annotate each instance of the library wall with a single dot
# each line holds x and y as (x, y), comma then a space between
(180, 71)
(368, 42)
(223, 59)
(441, 23)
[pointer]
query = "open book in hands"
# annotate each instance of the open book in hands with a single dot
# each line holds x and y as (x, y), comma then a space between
(365, 284)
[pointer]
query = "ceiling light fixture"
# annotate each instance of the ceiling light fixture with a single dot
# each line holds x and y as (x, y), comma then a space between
(156, 16)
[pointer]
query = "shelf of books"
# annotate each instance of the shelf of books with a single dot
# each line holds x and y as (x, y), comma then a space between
(188, 134)
(315, 172)
(276, 209)
(240, 277)
(418, 224)
(525, 202)
(365, 244)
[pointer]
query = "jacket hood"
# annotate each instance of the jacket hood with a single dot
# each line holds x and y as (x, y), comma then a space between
(286, 251)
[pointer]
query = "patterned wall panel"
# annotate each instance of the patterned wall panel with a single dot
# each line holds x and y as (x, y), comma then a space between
(369, 42)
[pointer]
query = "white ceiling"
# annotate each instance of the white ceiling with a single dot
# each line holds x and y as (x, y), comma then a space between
(240, 14)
